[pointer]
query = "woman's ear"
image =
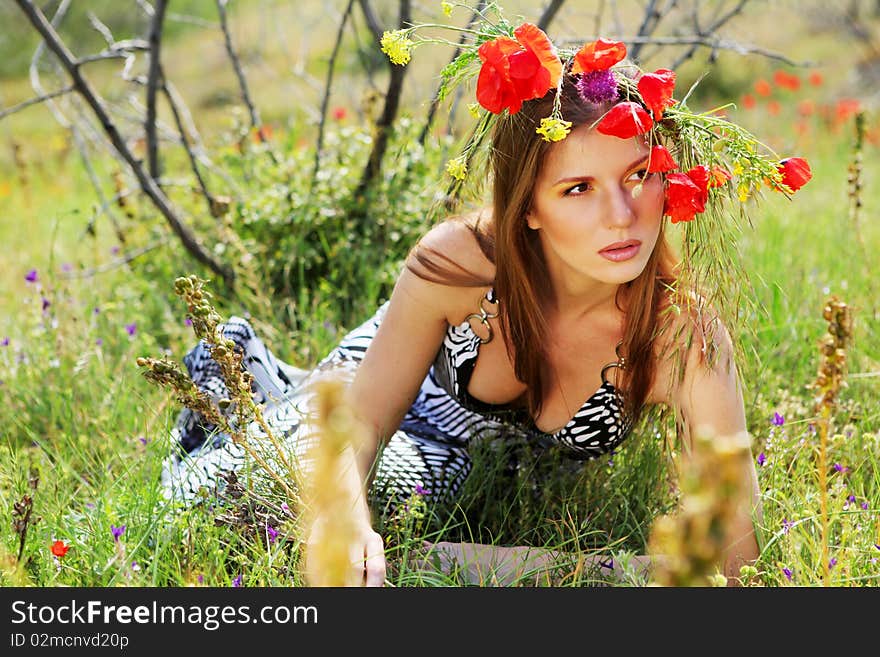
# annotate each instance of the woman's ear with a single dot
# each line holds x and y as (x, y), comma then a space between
(532, 220)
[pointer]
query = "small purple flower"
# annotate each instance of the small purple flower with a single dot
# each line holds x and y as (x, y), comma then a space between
(89, 505)
(5, 342)
(117, 531)
(598, 87)
(420, 490)
(46, 303)
(135, 566)
(864, 506)
(272, 533)
(188, 322)
(96, 310)
(237, 581)
(778, 420)
(285, 508)
(143, 440)
(787, 525)
(762, 459)
(114, 250)
(132, 328)
(99, 342)
(841, 468)
(832, 563)
(66, 266)
(787, 573)
(31, 276)
(200, 579)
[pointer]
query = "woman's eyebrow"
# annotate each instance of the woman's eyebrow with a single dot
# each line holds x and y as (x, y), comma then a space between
(572, 179)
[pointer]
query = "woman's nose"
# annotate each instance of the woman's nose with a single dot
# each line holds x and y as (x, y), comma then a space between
(619, 211)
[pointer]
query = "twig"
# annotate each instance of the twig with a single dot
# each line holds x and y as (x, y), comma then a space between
(114, 264)
(148, 184)
(154, 81)
(717, 24)
(372, 22)
(650, 21)
(328, 85)
(548, 14)
(33, 101)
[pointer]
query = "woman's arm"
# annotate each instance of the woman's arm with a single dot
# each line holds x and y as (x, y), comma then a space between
(708, 402)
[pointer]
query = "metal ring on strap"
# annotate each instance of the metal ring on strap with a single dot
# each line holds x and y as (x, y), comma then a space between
(483, 316)
(621, 362)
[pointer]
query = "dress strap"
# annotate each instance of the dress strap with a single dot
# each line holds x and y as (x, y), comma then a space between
(483, 315)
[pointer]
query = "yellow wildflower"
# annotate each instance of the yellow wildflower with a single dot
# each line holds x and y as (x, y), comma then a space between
(447, 8)
(397, 45)
(474, 109)
(743, 191)
(457, 168)
(553, 129)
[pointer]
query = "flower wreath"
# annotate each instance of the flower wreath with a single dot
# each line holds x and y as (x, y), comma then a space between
(705, 159)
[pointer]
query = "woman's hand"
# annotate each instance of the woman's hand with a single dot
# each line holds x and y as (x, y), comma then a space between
(357, 559)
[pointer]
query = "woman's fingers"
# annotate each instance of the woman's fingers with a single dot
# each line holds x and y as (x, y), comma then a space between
(374, 561)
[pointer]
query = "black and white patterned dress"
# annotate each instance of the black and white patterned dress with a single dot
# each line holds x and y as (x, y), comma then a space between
(429, 449)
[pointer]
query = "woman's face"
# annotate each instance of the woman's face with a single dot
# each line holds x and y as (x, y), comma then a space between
(594, 224)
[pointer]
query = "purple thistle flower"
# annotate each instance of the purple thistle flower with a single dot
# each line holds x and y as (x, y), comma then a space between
(31, 276)
(762, 459)
(778, 420)
(787, 573)
(132, 328)
(420, 490)
(787, 525)
(5, 342)
(117, 531)
(237, 581)
(272, 532)
(832, 563)
(598, 87)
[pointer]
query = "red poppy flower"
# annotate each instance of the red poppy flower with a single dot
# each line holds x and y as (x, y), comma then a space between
(718, 176)
(748, 101)
(656, 89)
(625, 120)
(59, 548)
(795, 172)
(661, 160)
(686, 194)
(816, 79)
(516, 71)
(787, 80)
(600, 55)
(763, 88)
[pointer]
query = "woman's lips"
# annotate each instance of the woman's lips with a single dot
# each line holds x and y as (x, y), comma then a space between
(621, 251)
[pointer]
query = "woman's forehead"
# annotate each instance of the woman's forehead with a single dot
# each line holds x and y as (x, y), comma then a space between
(588, 152)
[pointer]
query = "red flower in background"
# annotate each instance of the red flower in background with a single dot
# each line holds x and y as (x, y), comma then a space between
(516, 71)
(787, 80)
(795, 172)
(748, 101)
(625, 120)
(600, 55)
(845, 108)
(339, 113)
(686, 194)
(773, 108)
(59, 548)
(763, 88)
(661, 160)
(656, 89)
(816, 79)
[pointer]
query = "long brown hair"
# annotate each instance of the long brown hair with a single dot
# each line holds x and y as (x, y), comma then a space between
(521, 276)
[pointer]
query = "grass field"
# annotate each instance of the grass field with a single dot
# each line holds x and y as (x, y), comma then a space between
(83, 434)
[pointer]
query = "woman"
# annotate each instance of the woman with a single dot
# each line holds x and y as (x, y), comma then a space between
(546, 314)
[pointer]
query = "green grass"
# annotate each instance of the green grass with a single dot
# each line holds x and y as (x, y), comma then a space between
(77, 414)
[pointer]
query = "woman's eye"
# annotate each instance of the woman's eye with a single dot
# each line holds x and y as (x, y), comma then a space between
(642, 174)
(580, 188)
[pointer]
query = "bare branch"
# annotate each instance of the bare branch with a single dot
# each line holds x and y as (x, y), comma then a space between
(239, 72)
(34, 101)
(148, 184)
(328, 85)
(154, 81)
(372, 20)
(650, 21)
(549, 13)
(713, 28)
(116, 263)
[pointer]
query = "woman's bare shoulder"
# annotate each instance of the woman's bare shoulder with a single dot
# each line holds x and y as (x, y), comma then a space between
(450, 252)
